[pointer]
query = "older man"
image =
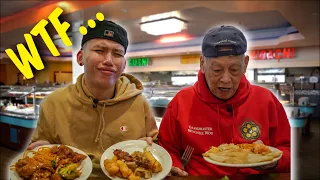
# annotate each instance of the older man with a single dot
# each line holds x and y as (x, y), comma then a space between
(223, 107)
(104, 107)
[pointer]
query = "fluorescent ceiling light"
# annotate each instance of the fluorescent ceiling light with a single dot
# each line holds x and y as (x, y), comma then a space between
(168, 25)
(173, 39)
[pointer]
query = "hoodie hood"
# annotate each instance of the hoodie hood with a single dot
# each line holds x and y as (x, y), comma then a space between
(127, 86)
(203, 92)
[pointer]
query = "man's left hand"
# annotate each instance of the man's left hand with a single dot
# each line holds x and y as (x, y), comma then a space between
(148, 139)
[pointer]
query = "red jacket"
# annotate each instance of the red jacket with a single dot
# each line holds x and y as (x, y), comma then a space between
(196, 118)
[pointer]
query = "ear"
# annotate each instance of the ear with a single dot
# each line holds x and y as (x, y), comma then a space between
(202, 64)
(246, 62)
(80, 58)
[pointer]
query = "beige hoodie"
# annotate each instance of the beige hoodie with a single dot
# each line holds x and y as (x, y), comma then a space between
(67, 116)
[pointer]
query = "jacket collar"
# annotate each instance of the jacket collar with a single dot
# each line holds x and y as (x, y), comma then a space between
(203, 92)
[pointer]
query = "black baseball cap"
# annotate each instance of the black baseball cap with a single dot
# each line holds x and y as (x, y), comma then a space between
(224, 36)
(107, 30)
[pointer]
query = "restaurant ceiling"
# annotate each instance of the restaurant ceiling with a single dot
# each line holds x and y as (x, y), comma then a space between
(302, 16)
(10, 7)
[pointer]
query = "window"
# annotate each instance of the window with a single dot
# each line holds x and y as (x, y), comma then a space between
(183, 80)
(272, 78)
(271, 75)
(271, 71)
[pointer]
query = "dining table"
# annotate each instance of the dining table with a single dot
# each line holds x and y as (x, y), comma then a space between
(274, 176)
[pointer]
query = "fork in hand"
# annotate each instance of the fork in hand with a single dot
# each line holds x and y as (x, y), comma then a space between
(186, 155)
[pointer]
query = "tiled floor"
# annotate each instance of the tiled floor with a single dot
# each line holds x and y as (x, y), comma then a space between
(309, 159)
(308, 167)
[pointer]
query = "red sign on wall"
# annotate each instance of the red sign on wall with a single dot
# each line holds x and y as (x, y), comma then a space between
(280, 53)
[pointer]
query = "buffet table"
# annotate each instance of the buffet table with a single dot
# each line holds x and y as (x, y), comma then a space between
(16, 129)
(303, 120)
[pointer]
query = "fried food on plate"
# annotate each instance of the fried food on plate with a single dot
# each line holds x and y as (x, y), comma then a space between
(125, 171)
(142, 172)
(111, 166)
(260, 149)
(224, 147)
(134, 177)
(56, 162)
(132, 166)
(210, 151)
(246, 146)
(154, 165)
(255, 158)
(241, 153)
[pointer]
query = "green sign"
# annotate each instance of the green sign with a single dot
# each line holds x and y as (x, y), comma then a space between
(138, 61)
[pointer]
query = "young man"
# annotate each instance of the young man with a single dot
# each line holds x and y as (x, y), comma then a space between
(223, 107)
(104, 107)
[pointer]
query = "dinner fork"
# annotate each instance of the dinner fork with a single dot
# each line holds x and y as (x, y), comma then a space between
(186, 155)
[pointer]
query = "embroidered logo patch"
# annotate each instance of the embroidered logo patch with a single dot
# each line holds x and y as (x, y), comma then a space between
(108, 33)
(250, 131)
(124, 128)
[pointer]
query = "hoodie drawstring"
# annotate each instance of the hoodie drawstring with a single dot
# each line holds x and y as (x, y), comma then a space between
(100, 122)
(233, 119)
(101, 126)
(219, 124)
(98, 134)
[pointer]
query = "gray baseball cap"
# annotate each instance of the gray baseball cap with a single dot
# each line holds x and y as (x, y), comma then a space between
(224, 36)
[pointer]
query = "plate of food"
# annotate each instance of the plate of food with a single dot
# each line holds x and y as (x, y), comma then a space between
(55, 162)
(242, 155)
(134, 160)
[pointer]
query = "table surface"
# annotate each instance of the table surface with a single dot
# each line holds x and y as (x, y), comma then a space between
(282, 176)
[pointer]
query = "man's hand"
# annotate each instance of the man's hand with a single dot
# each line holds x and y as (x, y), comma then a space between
(266, 167)
(37, 143)
(148, 139)
(177, 172)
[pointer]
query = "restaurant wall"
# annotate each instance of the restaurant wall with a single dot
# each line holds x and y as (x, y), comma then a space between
(58, 66)
(3, 76)
(304, 57)
(47, 74)
(306, 71)
(293, 75)
(170, 63)
(11, 73)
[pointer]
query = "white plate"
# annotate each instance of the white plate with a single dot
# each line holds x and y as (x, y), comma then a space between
(137, 145)
(86, 164)
(245, 165)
